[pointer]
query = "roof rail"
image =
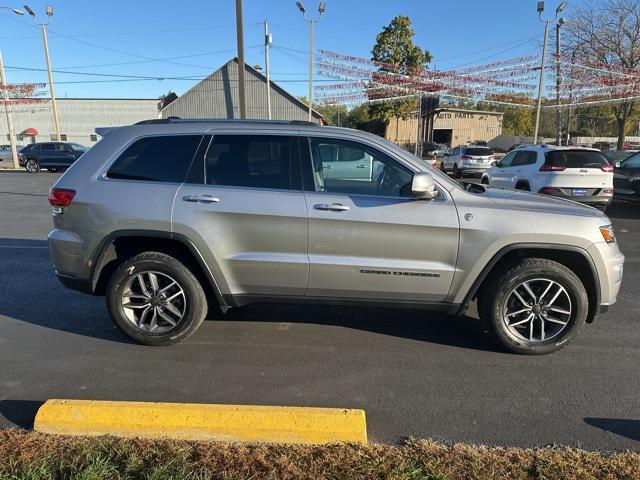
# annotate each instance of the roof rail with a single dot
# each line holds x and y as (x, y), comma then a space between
(155, 121)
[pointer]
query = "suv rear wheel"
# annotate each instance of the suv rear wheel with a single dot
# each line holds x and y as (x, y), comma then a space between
(155, 300)
(32, 166)
(536, 306)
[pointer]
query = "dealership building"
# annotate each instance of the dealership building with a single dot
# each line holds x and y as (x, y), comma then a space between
(451, 126)
(214, 97)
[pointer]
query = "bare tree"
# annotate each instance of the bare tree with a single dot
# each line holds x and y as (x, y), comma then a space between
(608, 32)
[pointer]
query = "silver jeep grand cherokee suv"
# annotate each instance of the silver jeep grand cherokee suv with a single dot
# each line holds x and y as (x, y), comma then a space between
(168, 218)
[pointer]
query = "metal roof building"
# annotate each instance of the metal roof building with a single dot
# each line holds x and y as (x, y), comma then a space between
(78, 118)
(217, 97)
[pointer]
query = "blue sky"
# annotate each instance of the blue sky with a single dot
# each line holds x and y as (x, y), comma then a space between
(457, 32)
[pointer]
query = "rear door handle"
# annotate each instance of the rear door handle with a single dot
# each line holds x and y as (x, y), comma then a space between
(333, 207)
(361, 166)
(200, 199)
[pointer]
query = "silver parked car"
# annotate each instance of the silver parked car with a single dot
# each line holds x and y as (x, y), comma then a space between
(5, 152)
(168, 218)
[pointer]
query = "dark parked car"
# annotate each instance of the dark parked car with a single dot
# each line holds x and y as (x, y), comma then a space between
(626, 178)
(53, 156)
(614, 156)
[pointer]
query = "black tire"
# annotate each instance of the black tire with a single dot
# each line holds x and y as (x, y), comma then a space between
(484, 181)
(498, 286)
(456, 171)
(32, 165)
(52, 170)
(523, 186)
(195, 308)
(442, 169)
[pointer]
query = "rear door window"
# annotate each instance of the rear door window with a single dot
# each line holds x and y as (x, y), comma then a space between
(259, 161)
(157, 159)
(525, 158)
(576, 159)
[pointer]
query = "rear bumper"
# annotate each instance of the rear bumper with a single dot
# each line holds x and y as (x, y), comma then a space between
(593, 196)
(473, 171)
(74, 283)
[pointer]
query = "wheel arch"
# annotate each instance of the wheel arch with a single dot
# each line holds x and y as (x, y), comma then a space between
(116, 247)
(575, 258)
(521, 181)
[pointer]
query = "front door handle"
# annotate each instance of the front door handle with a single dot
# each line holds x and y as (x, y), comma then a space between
(200, 199)
(333, 207)
(361, 166)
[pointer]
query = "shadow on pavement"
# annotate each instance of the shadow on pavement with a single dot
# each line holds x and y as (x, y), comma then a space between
(31, 293)
(27, 266)
(421, 325)
(623, 210)
(20, 412)
(626, 428)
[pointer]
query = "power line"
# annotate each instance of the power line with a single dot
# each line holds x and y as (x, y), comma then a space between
(526, 39)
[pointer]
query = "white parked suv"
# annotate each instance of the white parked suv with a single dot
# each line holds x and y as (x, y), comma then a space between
(575, 173)
(467, 160)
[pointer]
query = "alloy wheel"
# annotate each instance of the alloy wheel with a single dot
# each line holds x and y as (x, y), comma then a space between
(537, 310)
(32, 166)
(153, 302)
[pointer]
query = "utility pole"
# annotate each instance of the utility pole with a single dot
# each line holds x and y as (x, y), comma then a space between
(542, 63)
(43, 28)
(268, 40)
(558, 83)
(240, 42)
(321, 8)
(9, 114)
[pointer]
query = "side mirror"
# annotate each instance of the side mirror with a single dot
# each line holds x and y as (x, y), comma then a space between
(618, 164)
(423, 187)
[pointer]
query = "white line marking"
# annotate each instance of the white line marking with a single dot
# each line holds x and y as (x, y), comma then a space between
(18, 246)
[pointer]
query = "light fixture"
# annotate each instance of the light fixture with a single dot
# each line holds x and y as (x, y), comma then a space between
(300, 6)
(540, 7)
(322, 7)
(29, 11)
(17, 12)
(561, 7)
(561, 21)
(49, 11)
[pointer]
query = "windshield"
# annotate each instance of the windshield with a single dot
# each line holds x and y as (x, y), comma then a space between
(576, 158)
(479, 151)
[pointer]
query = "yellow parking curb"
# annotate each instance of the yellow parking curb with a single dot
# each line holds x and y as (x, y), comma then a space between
(191, 421)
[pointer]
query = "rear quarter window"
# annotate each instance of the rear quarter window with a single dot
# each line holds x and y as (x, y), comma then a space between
(157, 159)
(576, 159)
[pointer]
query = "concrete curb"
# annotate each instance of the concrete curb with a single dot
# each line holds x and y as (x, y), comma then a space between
(190, 421)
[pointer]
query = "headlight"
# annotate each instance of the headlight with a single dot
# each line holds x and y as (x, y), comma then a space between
(607, 233)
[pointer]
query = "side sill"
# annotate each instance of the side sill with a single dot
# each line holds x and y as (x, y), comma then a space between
(241, 300)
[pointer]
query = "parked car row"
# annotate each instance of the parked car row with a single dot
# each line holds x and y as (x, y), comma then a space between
(5, 152)
(585, 175)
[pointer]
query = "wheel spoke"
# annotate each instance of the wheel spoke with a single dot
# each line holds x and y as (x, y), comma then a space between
(522, 300)
(546, 290)
(529, 291)
(143, 287)
(167, 287)
(173, 296)
(560, 310)
(555, 297)
(135, 305)
(154, 320)
(153, 280)
(519, 312)
(173, 309)
(143, 316)
(528, 319)
(555, 320)
(136, 296)
(531, 329)
(166, 317)
(541, 328)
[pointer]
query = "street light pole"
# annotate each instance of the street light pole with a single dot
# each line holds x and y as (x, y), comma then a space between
(5, 98)
(267, 42)
(43, 28)
(311, 22)
(542, 63)
(558, 84)
(240, 42)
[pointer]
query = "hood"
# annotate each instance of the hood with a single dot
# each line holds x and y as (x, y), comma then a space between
(537, 202)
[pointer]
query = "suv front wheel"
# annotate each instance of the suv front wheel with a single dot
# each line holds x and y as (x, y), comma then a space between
(155, 300)
(536, 306)
(32, 166)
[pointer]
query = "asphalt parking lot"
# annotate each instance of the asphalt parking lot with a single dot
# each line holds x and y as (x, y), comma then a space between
(415, 373)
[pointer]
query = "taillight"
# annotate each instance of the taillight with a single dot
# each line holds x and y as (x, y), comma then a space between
(549, 190)
(607, 191)
(550, 167)
(494, 157)
(606, 167)
(61, 197)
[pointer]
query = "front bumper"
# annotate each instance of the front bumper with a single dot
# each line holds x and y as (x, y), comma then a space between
(74, 283)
